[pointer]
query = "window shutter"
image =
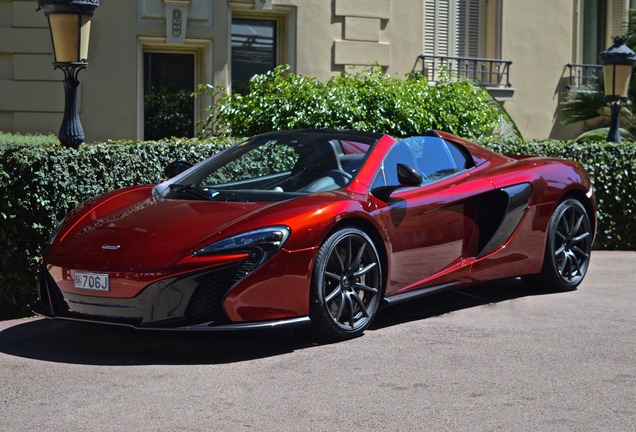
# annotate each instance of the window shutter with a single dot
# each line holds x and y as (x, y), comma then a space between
(619, 17)
(436, 27)
(429, 27)
(443, 21)
(468, 28)
(473, 19)
(461, 28)
(452, 27)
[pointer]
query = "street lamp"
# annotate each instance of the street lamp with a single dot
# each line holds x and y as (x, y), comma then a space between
(618, 63)
(70, 24)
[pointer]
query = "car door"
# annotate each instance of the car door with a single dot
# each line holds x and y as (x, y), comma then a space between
(429, 227)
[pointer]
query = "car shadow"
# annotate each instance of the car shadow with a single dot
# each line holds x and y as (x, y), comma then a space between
(453, 300)
(95, 344)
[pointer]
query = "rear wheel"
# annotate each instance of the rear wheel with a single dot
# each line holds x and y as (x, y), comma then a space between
(567, 250)
(346, 285)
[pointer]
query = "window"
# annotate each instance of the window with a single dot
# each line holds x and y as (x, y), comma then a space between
(593, 33)
(598, 21)
(434, 157)
(253, 51)
(259, 41)
(168, 84)
(170, 73)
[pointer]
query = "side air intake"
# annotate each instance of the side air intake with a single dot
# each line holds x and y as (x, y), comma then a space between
(518, 200)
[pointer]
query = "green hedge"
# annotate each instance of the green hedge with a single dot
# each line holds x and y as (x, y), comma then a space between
(39, 184)
(612, 168)
(8, 140)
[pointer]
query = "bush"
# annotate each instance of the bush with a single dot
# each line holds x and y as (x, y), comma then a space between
(612, 168)
(40, 184)
(8, 140)
(368, 101)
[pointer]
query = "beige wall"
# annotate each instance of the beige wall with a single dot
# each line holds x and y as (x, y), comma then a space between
(30, 99)
(323, 37)
(540, 45)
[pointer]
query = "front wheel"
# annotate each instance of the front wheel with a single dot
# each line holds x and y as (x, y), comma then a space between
(346, 285)
(568, 248)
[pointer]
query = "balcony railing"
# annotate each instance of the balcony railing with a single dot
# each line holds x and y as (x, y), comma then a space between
(581, 74)
(490, 72)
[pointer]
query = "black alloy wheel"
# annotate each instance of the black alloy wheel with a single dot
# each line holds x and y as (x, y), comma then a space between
(568, 248)
(346, 285)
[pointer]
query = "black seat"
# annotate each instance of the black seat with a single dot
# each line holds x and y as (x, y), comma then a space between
(313, 165)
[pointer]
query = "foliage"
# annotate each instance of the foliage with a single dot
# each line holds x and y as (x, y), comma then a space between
(507, 128)
(369, 100)
(168, 114)
(600, 134)
(612, 168)
(40, 184)
(8, 140)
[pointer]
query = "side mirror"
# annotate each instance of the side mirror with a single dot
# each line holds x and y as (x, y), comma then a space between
(408, 176)
(175, 168)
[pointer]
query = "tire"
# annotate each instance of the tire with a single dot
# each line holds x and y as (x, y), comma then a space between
(346, 285)
(567, 249)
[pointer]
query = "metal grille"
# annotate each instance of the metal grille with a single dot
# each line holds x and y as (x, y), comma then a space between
(207, 300)
(581, 75)
(490, 72)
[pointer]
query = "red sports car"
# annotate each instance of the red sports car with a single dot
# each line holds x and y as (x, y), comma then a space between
(320, 226)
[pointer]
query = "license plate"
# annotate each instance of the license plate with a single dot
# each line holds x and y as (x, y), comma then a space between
(91, 281)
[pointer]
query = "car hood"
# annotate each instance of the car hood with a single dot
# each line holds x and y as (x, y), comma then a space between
(158, 226)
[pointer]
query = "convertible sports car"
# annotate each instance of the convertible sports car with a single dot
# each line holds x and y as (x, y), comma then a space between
(320, 226)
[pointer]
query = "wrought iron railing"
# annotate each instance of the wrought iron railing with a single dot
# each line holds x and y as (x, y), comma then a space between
(581, 74)
(490, 72)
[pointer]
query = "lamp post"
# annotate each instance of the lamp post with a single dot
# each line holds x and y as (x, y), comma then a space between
(70, 24)
(618, 63)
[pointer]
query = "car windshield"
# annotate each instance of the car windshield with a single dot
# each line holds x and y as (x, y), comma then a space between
(278, 166)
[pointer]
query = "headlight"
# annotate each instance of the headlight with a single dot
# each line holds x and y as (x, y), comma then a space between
(56, 230)
(263, 242)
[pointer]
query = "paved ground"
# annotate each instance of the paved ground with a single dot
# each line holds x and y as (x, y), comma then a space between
(492, 357)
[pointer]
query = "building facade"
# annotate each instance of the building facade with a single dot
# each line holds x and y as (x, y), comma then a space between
(147, 55)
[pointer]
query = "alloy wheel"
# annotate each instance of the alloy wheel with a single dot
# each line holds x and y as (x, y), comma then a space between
(572, 244)
(347, 279)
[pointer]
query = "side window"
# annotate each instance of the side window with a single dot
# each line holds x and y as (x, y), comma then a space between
(435, 160)
(379, 180)
(402, 152)
(432, 156)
